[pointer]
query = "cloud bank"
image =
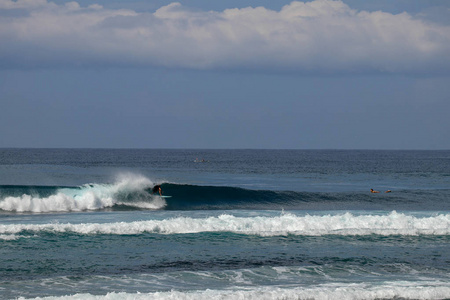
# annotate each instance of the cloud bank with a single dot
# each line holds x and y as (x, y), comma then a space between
(322, 36)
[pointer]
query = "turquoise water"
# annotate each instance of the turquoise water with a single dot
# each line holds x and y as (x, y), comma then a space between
(256, 224)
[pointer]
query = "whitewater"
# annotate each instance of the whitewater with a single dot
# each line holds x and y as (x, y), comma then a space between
(389, 290)
(340, 224)
(88, 197)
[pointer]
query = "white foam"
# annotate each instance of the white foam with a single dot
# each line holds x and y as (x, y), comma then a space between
(10, 237)
(386, 290)
(87, 197)
(155, 203)
(344, 224)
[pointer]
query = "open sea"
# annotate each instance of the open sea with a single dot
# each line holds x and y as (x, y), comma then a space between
(240, 224)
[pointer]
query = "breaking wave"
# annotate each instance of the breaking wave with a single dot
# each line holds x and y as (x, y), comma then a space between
(132, 191)
(384, 290)
(393, 223)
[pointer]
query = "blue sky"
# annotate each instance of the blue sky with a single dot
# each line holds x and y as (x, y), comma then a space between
(225, 74)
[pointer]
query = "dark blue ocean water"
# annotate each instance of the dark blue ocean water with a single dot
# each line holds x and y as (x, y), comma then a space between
(255, 224)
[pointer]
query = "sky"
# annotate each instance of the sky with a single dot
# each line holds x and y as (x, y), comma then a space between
(229, 74)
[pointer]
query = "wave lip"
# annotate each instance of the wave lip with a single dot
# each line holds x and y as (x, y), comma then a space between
(129, 190)
(344, 224)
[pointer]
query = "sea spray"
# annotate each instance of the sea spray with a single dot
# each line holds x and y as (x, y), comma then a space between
(129, 189)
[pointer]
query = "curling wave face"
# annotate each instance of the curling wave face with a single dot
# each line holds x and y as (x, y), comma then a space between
(134, 192)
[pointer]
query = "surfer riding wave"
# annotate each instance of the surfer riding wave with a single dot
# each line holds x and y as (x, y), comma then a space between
(157, 189)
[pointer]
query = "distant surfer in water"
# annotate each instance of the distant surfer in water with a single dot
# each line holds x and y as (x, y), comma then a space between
(157, 189)
(372, 191)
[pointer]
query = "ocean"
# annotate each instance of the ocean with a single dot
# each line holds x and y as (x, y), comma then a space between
(240, 224)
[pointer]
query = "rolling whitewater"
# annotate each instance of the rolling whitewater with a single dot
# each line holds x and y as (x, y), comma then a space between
(248, 224)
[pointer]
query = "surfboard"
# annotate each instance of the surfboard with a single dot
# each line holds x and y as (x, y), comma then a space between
(165, 196)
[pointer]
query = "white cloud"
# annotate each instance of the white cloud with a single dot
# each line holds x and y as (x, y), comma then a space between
(319, 36)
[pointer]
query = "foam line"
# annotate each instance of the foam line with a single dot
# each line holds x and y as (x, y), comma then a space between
(344, 224)
(386, 290)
